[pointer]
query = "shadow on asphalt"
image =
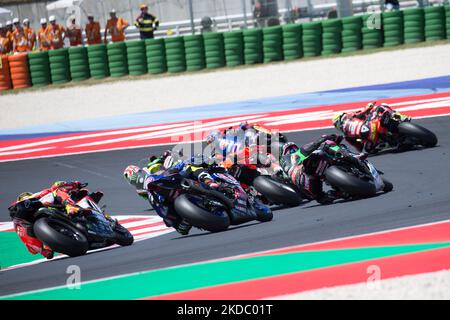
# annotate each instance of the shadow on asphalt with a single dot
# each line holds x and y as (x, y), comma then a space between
(206, 233)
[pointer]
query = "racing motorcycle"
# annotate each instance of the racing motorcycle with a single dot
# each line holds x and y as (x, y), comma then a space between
(392, 129)
(270, 187)
(257, 179)
(205, 208)
(349, 176)
(72, 236)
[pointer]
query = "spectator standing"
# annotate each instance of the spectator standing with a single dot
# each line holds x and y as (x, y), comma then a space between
(31, 35)
(4, 41)
(116, 27)
(146, 23)
(392, 5)
(93, 35)
(259, 14)
(20, 37)
(74, 34)
(9, 34)
(43, 41)
(55, 34)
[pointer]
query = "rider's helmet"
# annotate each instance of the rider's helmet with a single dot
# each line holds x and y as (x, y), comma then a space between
(154, 165)
(130, 173)
(213, 136)
(289, 148)
(24, 196)
(337, 121)
(244, 125)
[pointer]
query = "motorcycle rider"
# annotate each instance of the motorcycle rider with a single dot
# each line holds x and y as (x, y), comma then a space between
(360, 130)
(60, 193)
(304, 167)
(241, 145)
(141, 179)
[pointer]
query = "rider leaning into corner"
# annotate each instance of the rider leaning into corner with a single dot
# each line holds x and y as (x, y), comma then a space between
(303, 166)
(165, 165)
(60, 193)
(359, 127)
(197, 168)
(241, 145)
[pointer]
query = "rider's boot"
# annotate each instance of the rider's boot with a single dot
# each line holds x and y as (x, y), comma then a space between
(47, 252)
(183, 228)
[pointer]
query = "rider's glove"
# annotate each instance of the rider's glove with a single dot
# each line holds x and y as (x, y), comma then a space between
(72, 209)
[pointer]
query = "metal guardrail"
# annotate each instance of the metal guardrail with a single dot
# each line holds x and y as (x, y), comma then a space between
(239, 21)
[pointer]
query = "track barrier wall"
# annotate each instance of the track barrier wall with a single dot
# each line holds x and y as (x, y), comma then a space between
(229, 49)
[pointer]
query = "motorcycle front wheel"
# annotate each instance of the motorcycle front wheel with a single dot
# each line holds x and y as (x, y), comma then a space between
(418, 133)
(61, 236)
(277, 192)
(202, 213)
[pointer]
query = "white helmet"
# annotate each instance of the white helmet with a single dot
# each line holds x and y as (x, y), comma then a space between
(52, 18)
(26, 20)
(1, 25)
(113, 11)
(15, 20)
(8, 23)
(43, 20)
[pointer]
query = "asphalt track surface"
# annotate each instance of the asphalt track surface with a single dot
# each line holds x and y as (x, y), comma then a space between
(421, 194)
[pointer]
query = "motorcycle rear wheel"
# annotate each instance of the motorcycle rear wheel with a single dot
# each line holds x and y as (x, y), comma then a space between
(344, 181)
(188, 207)
(61, 236)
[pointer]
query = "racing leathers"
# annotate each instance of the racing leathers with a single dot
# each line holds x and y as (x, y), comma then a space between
(364, 128)
(61, 193)
(304, 167)
(142, 180)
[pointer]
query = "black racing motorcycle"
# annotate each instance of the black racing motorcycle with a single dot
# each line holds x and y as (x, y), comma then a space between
(203, 207)
(350, 176)
(72, 236)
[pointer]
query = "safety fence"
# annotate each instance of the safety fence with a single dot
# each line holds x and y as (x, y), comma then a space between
(225, 49)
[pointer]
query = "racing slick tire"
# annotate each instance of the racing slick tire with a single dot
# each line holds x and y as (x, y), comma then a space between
(276, 191)
(341, 179)
(61, 236)
(187, 208)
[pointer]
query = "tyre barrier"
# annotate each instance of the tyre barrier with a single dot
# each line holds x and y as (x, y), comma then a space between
(352, 34)
(214, 50)
(253, 46)
(195, 52)
(39, 66)
(117, 59)
(273, 44)
(234, 48)
(156, 56)
(331, 36)
(393, 28)
(79, 63)
(136, 58)
(312, 39)
(372, 34)
(5, 76)
(414, 25)
(18, 68)
(175, 54)
(447, 21)
(59, 65)
(435, 24)
(292, 41)
(98, 61)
